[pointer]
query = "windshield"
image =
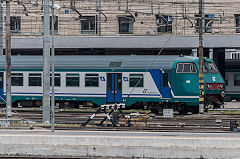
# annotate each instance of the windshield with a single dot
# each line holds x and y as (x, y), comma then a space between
(212, 67)
(205, 69)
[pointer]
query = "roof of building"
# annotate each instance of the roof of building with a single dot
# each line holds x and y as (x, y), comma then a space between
(98, 62)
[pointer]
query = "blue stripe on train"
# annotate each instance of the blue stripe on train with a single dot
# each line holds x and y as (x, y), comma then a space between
(157, 76)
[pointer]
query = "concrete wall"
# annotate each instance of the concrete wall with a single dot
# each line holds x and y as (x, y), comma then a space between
(119, 146)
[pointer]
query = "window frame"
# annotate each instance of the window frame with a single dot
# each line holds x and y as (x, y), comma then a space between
(142, 78)
(206, 19)
(192, 64)
(237, 25)
(72, 76)
(15, 24)
(89, 19)
(127, 20)
(33, 77)
(92, 77)
(168, 24)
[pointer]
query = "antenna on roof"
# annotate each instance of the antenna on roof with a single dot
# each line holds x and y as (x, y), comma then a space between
(181, 55)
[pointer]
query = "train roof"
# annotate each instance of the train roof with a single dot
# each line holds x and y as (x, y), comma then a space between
(98, 62)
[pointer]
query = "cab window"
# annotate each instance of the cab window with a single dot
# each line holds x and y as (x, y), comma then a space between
(186, 68)
(212, 67)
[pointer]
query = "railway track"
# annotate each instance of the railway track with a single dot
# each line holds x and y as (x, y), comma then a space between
(71, 120)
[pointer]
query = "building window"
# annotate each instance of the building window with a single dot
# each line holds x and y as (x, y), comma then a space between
(164, 23)
(88, 25)
(235, 56)
(15, 24)
(125, 25)
(237, 22)
(136, 80)
(236, 79)
(55, 24)
(57, 79)
(91, 80)
(35, 79)
(72, 80)
(208, 22)
(17, 79)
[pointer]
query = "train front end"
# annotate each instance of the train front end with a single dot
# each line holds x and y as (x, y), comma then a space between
(214, 85)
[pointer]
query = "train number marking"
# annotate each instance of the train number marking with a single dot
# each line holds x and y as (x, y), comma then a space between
(188, 81)
(214, 79)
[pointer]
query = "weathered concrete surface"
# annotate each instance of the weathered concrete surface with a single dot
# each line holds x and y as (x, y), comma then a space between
(120, 145)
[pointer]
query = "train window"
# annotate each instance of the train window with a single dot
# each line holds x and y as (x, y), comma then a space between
(72, 80)
(180, 67)
(91, 80)
(57, 79)
(136, 80)
(186, 68)
(205, 69)
(35, 79)
(193, 68)
(17, 79)
(119, 81)
(165, 80)
(1, 80)
(109, 81)
(212, 67)
(236, 79)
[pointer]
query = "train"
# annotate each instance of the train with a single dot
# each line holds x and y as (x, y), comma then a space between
(232, 79)
(155, 82)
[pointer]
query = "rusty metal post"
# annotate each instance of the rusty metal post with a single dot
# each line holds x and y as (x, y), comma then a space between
(8, 61)
(201, 81)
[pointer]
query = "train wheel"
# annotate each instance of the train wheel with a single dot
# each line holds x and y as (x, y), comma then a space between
(194, 110)
(182, 109)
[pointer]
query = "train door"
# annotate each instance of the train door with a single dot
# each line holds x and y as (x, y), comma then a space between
(162, 81)
(1, 85)
(114, 87)
(165, 87)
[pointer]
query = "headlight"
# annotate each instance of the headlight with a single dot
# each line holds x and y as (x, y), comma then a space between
(221, 86)
(223, 94)
(208, 86)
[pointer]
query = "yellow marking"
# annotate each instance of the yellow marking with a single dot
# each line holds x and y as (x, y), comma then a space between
(200, 74)
(201, 86)
(202, 93)
(201, 81)
(201, 99)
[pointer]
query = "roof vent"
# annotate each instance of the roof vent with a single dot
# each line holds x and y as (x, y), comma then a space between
(115, 64)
